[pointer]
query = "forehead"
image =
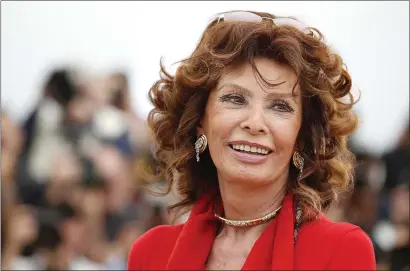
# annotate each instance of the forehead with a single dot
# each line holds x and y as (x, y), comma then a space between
(271, 70)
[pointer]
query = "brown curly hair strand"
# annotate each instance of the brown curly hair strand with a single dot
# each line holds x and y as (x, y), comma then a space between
(179, 103)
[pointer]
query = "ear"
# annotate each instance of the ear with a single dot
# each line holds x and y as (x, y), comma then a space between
(199, 129)
(299, 145)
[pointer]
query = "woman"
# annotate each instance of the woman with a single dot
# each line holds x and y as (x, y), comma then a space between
(253, 128)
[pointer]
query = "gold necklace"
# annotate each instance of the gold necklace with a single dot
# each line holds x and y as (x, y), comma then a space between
(247, 223)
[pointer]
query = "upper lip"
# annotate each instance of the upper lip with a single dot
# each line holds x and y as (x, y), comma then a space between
(241, 142)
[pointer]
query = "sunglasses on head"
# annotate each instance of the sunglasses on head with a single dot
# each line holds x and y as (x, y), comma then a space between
(245, 16)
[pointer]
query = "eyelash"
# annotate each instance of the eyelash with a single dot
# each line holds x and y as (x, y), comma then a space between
(233, 98)
(285, 107)
(240, 100)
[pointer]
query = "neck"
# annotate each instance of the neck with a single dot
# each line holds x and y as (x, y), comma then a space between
(244, 202)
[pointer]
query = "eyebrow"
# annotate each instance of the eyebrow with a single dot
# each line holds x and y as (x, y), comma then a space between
(249, 93)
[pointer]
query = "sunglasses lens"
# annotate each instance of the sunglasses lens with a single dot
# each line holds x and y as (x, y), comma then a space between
(242, 16)
(245, 16)
(291, 22)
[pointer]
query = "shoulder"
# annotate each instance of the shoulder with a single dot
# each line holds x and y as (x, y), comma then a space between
(342, 245)
(153, 246)
(325, 227)
(354, 250)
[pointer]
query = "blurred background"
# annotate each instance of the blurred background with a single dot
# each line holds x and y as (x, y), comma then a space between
(74, 83)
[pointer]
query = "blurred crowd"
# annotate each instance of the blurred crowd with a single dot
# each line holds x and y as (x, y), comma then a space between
(73, 196)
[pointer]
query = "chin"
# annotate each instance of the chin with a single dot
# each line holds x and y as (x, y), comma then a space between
(247, 176)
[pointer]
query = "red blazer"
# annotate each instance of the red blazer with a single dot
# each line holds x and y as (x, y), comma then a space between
(321, 244)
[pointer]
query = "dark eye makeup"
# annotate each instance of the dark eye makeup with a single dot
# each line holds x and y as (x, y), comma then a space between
(279, 105)
(282, 106)
(234, 98)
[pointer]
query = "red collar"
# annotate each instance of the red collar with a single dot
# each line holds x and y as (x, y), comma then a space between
(273, 250)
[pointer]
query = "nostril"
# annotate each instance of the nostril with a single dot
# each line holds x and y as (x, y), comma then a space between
(254, 128)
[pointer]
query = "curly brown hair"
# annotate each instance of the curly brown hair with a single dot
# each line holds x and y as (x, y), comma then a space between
(179, 103)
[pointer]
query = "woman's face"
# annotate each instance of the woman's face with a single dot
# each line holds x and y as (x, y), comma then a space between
(252, 129)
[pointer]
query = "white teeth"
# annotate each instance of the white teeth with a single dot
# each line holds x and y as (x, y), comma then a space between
(250, 149)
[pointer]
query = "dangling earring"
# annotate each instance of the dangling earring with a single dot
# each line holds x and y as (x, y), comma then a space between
(200, 145)
(298, 161)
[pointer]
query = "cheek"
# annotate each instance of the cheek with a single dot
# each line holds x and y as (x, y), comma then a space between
(285, 132)
(219, 124)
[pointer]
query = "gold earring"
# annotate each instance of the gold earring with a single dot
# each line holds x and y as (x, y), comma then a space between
(200, 145)
(298, 161)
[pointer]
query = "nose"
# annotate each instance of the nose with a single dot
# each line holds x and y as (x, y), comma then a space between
(255, 122)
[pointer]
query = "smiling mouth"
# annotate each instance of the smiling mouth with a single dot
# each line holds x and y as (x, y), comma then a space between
(250, 150)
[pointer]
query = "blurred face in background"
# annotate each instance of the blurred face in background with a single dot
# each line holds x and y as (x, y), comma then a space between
(114, 169)
(81, 109)
(127, 235)
(65, 175)
(94, 203)
(110, 90)
(22, 228)
(399, 205)
(11, 145)
(74, 235)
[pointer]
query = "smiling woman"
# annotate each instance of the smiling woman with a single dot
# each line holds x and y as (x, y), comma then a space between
(255, 123)
(245, 114)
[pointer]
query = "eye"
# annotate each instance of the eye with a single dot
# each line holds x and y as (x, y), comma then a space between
(233, 98)
(281, 106)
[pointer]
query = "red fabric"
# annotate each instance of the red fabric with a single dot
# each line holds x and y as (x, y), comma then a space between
(321, 244)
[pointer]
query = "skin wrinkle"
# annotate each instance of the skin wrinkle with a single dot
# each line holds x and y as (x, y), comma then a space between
(283, 125)
(239, 109)
(269, 96)
(250, 55)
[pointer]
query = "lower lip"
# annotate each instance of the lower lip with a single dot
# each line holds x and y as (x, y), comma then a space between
(249, 158)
